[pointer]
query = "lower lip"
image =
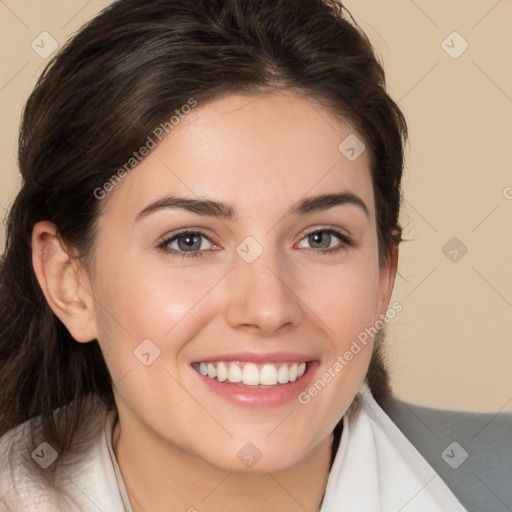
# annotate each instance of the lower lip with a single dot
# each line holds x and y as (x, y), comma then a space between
(260, 397)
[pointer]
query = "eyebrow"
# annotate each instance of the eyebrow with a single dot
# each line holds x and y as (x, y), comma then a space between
(221, 210)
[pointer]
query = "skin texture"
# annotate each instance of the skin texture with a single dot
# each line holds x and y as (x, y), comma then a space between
(176, 441)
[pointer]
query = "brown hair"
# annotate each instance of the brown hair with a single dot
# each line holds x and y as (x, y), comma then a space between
(124, 73)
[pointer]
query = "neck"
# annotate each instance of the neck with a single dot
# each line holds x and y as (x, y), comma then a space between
(157, 476)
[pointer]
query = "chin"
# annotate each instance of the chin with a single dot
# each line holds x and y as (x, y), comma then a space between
(248, 457)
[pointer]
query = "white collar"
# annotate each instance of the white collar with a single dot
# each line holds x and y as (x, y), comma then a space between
(376, 468)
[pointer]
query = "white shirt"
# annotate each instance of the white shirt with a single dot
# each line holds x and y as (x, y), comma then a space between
(375, 469)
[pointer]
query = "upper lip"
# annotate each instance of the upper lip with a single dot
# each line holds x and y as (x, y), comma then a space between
(256, 357)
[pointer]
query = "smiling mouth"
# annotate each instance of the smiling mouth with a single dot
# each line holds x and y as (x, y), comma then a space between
(252, 374)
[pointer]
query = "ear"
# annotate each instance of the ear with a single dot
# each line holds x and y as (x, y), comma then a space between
(387, 274)
(65, 284)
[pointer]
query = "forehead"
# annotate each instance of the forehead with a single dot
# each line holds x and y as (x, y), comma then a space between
(259, 153)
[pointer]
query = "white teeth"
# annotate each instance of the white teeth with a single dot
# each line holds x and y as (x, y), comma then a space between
(293, 372)
(212, 372)
(235, 373)
(251, 374)
(222, 372)
(268, 375)
(283, 375)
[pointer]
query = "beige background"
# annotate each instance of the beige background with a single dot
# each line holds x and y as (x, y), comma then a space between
(451, 346)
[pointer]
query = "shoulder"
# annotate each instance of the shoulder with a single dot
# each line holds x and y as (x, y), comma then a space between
(22, 486)
(471, 451)
(34, 476)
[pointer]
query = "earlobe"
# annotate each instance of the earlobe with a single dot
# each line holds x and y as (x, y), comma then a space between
(64, 282)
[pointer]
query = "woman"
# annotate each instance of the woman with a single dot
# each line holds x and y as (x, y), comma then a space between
(199, 267)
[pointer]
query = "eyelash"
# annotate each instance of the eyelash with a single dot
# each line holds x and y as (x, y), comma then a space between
(164, 246)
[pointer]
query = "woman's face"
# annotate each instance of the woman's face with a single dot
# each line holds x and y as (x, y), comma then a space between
(250, 293)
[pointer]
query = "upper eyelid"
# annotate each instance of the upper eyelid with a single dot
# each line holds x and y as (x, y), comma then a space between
(335, 229)
(187, 231)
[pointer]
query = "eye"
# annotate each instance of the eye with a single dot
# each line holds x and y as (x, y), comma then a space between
(323, 239)
(187, 244)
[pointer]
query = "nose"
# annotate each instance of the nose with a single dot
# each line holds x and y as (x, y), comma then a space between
(262, 297)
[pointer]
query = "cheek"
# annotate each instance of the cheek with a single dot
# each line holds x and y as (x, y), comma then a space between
(345, 307)
(153, 303)
(169, 305)
(344, 298)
